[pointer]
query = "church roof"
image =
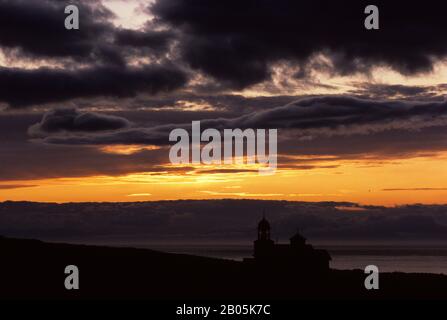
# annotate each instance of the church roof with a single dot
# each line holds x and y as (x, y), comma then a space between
(264, 224)
(298, 237)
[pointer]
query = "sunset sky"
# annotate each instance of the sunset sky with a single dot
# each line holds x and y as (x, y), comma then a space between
(361, 114)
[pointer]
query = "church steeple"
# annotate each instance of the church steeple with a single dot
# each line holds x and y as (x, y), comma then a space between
(263, 229)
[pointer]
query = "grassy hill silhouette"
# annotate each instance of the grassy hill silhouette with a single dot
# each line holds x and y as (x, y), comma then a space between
(34, 269)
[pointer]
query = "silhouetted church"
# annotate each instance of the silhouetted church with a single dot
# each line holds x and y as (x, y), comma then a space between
(297, 254)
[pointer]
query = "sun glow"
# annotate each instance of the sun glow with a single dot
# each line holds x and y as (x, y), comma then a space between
(369, 181)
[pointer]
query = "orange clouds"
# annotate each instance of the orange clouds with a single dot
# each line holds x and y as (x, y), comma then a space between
(420, 179)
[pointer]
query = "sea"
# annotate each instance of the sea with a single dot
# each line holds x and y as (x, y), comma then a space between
(410, 258)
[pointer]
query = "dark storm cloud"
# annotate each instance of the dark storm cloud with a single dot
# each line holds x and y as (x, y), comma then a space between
(236, 41)
(337, 113)
(143, 136)
(317, 116)
(96, 57)
(156, 41)
(37, 29)
(21, 88)
(60, 120)
(230, 220)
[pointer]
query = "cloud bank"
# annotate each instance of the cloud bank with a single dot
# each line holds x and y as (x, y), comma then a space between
(229, 220)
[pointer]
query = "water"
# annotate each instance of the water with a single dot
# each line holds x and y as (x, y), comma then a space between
(388, 258)
(416, 264)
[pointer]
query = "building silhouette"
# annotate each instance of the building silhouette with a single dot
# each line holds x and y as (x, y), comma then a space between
(298, 254)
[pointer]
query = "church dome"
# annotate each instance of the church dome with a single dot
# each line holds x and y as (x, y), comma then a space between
(297, 239)
(264, 229)
(264, 224)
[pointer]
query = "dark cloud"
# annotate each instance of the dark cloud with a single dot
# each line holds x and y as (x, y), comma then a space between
(143, 136)
(347, 115)
(37, 29)
(310, 117)
(61, 120)
(229, 220)
(96, 58)
(21, 88)
(156, 41)
(236, 42)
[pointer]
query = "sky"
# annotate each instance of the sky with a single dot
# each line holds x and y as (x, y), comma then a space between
(85, 114)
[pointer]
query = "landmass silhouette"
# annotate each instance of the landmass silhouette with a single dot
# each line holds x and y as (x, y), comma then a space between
(32, 269)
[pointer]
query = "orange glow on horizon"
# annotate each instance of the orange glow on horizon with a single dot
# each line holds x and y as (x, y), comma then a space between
(378, 182)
